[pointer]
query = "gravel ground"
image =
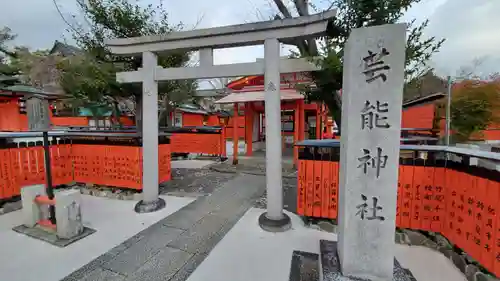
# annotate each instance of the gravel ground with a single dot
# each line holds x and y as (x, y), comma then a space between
(251, 167)
(289, 196)
(195, 181)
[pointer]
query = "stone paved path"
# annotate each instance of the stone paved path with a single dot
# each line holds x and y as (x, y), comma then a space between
(257, 166)
(193, 182)
(172, 248)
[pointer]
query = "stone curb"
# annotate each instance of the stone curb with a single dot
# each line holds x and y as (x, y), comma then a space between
(461, 261)
(228, 171)
(106, 192)
(470, 272)
(11, 207)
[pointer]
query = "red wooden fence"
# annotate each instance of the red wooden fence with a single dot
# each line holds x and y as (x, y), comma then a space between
(455, 199)
(110, 163)
(201, 140)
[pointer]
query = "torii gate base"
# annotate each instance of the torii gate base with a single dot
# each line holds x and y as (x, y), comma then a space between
(148, 207)
(273, 225)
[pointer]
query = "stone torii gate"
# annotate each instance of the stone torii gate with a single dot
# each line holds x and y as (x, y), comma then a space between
(269, 33)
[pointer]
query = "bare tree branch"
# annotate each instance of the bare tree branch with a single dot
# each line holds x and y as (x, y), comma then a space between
(64, 19)
(302, 9)
(308, 47)
(301, 6)
(282, 8)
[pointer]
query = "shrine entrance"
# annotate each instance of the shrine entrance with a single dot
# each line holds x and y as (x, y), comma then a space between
(269, 33)
(300, 120)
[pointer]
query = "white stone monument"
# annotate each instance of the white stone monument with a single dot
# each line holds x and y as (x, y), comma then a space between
(371, 127)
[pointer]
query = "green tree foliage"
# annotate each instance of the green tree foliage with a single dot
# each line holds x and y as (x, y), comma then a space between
(6, 69)
(96, 82)
(117, 19)
(474, 108)
(39, 68)
(427, 84)
(351, 15)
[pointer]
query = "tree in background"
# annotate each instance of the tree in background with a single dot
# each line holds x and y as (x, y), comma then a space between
(7, 71)
(39, 69)
(96, 88)
(427, 84)
(117, 19)
(474, 108)
(350, 15)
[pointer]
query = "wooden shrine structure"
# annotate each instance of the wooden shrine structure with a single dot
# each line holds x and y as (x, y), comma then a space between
(299, 119)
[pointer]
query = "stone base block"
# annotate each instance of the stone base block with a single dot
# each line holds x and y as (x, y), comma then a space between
(32, 212)
(68, 213)
(331, 269)
(51, 237)
(150, 206)
(271, 225)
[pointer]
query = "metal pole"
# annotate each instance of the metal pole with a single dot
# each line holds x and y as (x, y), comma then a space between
(48, 176)
(448, 113)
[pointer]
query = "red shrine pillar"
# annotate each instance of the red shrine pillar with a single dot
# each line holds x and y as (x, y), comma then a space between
(301, 120)
(249, 117)
(235, 134)
(296, 130)
(223, 139)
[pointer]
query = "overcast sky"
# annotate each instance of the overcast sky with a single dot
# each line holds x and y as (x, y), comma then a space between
(469, 26)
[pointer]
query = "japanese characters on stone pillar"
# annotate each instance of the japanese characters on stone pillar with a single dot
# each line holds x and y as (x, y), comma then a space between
(371, 124)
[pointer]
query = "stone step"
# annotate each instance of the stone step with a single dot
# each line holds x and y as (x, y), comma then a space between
(305, 266)
(330, 265)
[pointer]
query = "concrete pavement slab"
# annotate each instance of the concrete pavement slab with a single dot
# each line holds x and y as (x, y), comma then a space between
(161, 266)
(137, 254)
(114, 221)
(174, 246)
(266, 256)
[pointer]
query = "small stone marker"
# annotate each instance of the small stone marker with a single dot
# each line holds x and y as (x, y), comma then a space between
(371, 105)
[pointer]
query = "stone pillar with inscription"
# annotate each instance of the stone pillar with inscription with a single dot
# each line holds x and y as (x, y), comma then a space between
(371, 127)
(274, 219)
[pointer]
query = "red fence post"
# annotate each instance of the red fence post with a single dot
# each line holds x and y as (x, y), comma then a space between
(223, 141)
(235, 134)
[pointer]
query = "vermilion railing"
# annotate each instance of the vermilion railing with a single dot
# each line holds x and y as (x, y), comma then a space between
(99, 158)
(202, 140)
(104, 161)
(454, 198)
